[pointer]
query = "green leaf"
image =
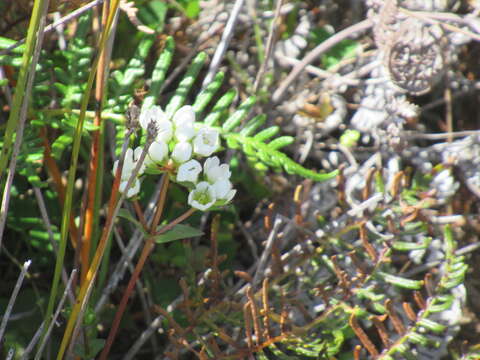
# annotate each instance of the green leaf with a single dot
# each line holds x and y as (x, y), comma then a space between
(193, 9)
(409, 246)
(221, 105)
(432, 325)
(441, 303)
(153, 14)
(281, 142)
(178, 232)
(350, 138)
(267, 133)
(185, 85)
(343, 50)
(402, 282)
(253, 125)
(242, 111)
(418, 339)
(202, 99)
(257, 149)
(135, 67)
(158, 75)
(6, 43)
(123, 213)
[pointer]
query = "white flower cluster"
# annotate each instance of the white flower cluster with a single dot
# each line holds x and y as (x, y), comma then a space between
(177, 148)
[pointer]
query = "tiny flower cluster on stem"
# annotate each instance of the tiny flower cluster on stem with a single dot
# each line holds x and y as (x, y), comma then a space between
(178, 147)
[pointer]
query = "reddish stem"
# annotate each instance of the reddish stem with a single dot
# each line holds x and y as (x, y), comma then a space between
(147, 249)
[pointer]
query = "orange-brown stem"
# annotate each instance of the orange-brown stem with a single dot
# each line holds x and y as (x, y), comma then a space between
(149, 245)
(94, 158)
(58, 182)
(139, 213)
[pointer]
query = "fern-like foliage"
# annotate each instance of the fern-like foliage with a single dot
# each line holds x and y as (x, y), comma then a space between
(261, 153)
(346, 293)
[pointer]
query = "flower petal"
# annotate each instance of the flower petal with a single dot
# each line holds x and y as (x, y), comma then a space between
(213, 171)
(164, 131)
(206, 142)
(184, 115)
(202, 197)
(222, 188)
(183, 120)
(134, 189)
(182, 152)
(163, 125)
(155, 113)
(189, 171)
(158, 151)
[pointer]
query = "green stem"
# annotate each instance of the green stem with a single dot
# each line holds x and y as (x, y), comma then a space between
(73, 167)
(20, 93)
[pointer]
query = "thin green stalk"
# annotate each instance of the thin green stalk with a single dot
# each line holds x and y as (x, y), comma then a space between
(259, 41)
(20, 93)
(113, 208)
(73, 166)
(20, 121)
(98, 204)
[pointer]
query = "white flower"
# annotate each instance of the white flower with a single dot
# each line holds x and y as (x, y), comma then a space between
(182, 152)
(183, 120)
(206, 142)
(202, 197)
(213, 171)
(133, 190)
(223, 190)
(189, 171)
(157, 152)
(163, 125)
(130, 162)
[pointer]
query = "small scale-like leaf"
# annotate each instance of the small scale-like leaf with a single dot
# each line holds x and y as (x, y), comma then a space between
(267, 133)
(5, 43)
(432, 325)
(242, 111)
(452, 283)
(458, 266)
(221, 105)
(253, 125)
(232, 143)
(417, 338)
(402, 348)
(369, 293)
(135, 67)
(185, 85)
(449, 240)
(442, 303)
(202, 99)
(178, 232)
(281, 142)
(402, 282)
(409, 246)
(11, 61)
(158, 74)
